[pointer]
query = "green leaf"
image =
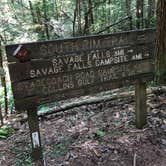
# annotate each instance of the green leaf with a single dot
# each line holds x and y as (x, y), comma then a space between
(3, 137)
(3, 132)
(6, 131)
(100, 133)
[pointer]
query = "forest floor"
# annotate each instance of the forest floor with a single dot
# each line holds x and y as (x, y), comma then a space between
(102, 134)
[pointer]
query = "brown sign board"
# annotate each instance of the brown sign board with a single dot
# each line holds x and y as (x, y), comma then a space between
(55, 70)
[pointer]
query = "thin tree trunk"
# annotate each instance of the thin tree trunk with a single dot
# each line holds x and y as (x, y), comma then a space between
(46, 20)
(91, 13)
(161, 43)
(139, 14)
(151, 12)
(22, 9)
(32, 12)
(128, 11)
(1, 116)
(74, 19)
(39, 16)
(109, 11)
(56, 10)
(89, 18)
(3, 81)
(79, 17)
(86, 20)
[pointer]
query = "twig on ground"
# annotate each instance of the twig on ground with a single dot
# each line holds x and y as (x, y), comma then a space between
(134, 161)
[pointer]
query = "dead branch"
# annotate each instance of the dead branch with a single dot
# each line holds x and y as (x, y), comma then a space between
(109, 26)
(87, 101)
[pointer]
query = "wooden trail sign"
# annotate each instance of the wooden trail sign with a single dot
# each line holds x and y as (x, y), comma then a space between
(61, 69)
(44, 72)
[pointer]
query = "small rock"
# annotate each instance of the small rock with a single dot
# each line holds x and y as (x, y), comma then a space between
(74, 156)
(163, 127)
(163, 142)
(106, 149)
(65, 163)
(115, 152)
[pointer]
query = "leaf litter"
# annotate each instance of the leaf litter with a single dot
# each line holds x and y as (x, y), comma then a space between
(102, 134)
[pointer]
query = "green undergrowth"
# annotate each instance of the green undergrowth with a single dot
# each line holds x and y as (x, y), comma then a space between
(22, 157)
(6, 131)
(27, 162)
(61, 148)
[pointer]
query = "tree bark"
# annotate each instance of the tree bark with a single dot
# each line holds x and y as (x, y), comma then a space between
(79, 17)
(46, 20)
(3, 82)
(22, 9)
(1, 117)
(77, 22)
(161, 43)
(74, 19)
(151, 12)
(88, 17)
(32, 12)
(139, 14)
(38, 13)
(91, 12)
(128, 11)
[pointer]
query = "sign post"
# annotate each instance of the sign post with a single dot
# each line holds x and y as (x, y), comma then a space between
(35, 136)
(141, 108)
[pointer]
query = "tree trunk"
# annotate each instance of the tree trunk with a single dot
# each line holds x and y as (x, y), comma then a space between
(74, 19)
(22, 9)
(109, 11)
(88, 17)
(77, 22)
(128, 11)
(46, 20)
(139, 14)
(79, 17)
(161, 43)
(39, 16)
(1, 117)
(3, 82)
(91, 12)
(150, 14)
(32, 12)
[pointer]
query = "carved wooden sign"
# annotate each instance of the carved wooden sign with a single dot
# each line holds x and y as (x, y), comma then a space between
(44, 72)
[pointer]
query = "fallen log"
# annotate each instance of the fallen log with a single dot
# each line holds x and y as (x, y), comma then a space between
(97, 99)
(89, 100)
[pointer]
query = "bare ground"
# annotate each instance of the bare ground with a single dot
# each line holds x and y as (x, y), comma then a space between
(101, 134)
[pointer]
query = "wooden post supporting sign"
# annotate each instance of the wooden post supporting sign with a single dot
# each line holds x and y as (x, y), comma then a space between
(35, 136)
(140, 93)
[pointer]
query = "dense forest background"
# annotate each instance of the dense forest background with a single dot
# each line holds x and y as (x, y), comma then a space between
(34, 20)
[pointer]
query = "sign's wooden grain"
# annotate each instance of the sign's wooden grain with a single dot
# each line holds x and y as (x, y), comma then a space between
(67, 68)
(79, 61)
(52, 49)
(74, 80)
(31, 101)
